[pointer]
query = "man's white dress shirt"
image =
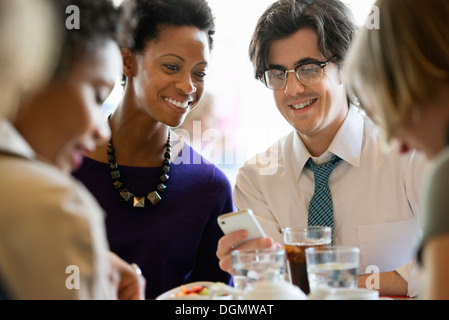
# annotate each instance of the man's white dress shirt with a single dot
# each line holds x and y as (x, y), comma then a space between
(375, 192)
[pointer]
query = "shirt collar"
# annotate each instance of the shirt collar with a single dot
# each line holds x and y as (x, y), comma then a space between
(347, 143)
(12, 142)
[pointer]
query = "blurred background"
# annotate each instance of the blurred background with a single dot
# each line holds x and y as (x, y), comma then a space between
(237, 117)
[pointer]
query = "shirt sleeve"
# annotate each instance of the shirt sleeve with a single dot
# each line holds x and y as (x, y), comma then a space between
(50, 251)
(248, 195)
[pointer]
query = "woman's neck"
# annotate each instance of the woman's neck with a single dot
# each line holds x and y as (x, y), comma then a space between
(138, 139)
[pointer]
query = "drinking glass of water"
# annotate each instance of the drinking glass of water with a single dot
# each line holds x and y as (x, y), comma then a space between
(252, 265)
(334, 267)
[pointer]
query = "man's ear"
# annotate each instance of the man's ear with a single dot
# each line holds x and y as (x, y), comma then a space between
(129, 63)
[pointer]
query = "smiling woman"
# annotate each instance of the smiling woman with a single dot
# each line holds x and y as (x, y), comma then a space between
(60, 225)
(148, 180)
(83, 88)
(245, 121)
(150, 72)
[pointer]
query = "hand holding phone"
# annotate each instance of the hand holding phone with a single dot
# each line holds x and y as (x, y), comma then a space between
(243, 219)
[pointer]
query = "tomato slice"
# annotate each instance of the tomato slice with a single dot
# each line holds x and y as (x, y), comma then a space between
(194, 289)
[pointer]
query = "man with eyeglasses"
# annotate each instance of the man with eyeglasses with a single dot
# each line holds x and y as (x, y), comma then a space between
(297, 50)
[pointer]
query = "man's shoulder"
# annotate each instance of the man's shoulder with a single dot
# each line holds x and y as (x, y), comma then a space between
(277, 148)
(271, 161)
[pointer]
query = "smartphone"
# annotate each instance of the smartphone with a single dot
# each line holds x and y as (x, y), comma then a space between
(243, 219)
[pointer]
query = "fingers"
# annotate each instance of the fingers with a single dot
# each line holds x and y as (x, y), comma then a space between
(140, 292)
(136, 269)
(225, 264)
(129, 291)
(259, 243)
(226, 245)
(276, 245)
(132, 284)
(228, 242)
(127, 279)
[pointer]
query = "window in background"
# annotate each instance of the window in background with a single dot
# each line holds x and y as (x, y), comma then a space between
(237, 117)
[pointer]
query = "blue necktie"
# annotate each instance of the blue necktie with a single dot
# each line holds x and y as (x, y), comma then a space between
(320, 207)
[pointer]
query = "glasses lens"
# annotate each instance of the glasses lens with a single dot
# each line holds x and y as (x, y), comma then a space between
(275, 79)
(309, 74)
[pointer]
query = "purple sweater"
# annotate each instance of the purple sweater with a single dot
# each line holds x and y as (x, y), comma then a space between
(175, 241)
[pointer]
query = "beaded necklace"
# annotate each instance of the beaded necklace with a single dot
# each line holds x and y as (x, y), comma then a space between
(127, 196)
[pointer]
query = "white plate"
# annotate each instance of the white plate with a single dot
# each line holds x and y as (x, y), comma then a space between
(216, 291)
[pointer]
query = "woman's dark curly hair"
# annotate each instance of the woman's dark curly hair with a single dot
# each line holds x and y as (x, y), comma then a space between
(99, 21)
(151, 14)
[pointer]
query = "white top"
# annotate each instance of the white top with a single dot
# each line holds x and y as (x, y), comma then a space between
(375, 192)
(52, 237)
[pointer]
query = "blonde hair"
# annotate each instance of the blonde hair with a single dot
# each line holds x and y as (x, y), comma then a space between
(390, 70)
(29, 43)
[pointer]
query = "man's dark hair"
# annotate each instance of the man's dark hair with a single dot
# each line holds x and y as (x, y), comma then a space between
(330, 19)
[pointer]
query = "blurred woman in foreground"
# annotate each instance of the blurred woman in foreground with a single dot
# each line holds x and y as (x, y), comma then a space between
(52, 237)
(400, 75)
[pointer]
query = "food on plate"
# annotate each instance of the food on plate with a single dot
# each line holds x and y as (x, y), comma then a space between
(201, 290)
(198, 290)
(192, 291)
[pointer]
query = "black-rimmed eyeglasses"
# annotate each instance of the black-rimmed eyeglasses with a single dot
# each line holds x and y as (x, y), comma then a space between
(308, 73)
